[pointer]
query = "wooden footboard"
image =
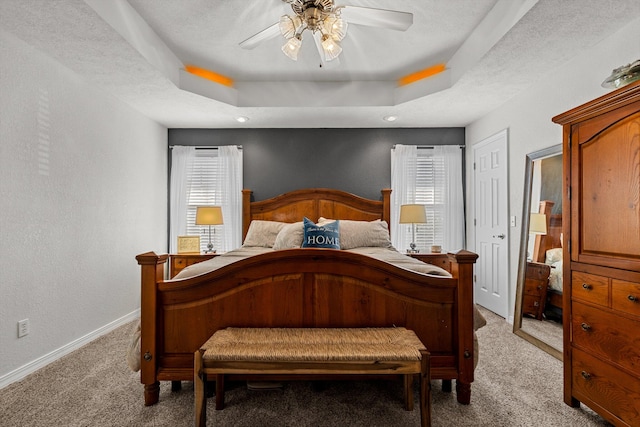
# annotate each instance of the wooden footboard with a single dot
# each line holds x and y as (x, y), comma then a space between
(305, 288)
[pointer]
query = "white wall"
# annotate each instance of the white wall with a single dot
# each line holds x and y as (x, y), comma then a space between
(528, 120)
(82, 191)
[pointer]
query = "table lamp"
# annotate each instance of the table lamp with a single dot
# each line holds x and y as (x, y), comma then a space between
(209, 215)
(413, 214)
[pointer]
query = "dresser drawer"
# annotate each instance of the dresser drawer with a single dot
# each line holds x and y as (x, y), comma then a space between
(602, 333)
(597, 383)
(531, 305)
(589, 287)
(180, 263)
(625, 296)
(535, 287)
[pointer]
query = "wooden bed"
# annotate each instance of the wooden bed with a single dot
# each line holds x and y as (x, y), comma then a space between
(553, 239)
(307, 288)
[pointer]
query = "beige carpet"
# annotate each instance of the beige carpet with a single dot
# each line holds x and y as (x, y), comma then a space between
(516, 385)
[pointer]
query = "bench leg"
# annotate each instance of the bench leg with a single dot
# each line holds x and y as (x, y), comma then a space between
(198, 385)
(219, 392)
(408, 392)
(425, 390)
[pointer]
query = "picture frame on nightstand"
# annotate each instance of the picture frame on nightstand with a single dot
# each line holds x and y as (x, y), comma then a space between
(188, 244)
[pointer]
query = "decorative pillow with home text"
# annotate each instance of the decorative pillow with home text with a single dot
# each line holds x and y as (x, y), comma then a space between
(321, 236)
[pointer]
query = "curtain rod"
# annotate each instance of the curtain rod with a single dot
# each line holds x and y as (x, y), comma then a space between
(204, 147)
(431, 147)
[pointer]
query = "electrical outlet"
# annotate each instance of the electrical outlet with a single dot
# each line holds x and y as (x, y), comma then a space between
(23, 328)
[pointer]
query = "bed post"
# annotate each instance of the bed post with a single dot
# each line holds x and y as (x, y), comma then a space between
(386, 205)
(246, 211)
(462, 267)
(152, 272)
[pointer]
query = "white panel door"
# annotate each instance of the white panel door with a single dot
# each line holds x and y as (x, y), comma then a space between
(491, 224)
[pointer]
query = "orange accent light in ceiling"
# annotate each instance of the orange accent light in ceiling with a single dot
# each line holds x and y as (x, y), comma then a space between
(422, 74)
(209, 75)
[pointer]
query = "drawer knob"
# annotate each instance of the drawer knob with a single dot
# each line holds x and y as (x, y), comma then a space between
(585, 327)
(632, 298)
(586, 375)
(586, 286)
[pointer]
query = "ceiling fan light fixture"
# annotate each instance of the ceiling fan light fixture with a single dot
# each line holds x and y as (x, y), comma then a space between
(289, 25)
(330, 47)
(292, 47)
(324, 20)
(336, 27)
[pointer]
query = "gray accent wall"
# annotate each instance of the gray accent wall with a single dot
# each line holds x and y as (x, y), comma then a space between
(279, 160)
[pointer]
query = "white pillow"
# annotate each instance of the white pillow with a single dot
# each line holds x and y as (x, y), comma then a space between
(263, 233)
(359, 234)
(290, 236)
(553, 255)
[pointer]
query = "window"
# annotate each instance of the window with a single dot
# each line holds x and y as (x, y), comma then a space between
(431, 176)
(206, 177)
(430, 191)
(202, 177)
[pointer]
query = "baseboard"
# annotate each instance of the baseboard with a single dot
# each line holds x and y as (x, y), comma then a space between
(31, 367)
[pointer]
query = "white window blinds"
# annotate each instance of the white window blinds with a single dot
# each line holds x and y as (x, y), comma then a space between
(430, 180)
(202, 178)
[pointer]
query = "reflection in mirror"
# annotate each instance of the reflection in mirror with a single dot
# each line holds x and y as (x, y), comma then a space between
(538, 310)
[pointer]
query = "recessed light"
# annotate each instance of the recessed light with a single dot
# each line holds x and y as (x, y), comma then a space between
(242, 119)
(390, 118)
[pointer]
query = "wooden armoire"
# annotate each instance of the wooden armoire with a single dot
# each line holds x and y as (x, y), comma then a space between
(601, 268)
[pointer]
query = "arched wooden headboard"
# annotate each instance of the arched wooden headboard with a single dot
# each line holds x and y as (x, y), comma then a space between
(314, 203)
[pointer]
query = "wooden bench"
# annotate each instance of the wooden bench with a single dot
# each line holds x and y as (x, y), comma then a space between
(312, 351)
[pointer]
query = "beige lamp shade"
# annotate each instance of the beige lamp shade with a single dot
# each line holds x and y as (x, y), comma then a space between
(413, 214)
(538, 223)
(209, 215)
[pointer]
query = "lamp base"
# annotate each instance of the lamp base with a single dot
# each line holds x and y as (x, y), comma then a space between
(413, 250)
(210, 249)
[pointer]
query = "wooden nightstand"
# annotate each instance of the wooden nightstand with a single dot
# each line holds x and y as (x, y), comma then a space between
(439, 260)
(536, 283)
(177, 262)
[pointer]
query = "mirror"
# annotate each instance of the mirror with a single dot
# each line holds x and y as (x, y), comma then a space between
(538, 309)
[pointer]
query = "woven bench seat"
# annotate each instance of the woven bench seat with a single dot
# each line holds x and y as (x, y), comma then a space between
(312, 351)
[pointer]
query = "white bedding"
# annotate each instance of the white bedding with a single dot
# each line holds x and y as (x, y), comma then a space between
(389, 255)
(553, 257)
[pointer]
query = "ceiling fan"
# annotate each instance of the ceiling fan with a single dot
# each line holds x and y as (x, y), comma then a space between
(328, 25)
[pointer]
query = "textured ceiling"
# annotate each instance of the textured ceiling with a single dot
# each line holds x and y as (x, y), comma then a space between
(493, 49)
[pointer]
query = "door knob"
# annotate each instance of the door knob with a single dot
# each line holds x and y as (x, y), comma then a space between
(500, 236)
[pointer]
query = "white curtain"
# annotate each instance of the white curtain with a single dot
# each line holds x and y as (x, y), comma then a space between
(403, 185)
(231, 168)
(454, 232)
(181, 161)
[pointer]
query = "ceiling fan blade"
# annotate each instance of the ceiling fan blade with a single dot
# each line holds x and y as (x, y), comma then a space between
(371, 17)
(256, 39)
(317, 38)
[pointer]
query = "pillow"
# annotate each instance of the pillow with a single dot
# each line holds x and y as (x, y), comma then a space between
(553, 255)
(321, 236)
(359, 234)
(263, 233)
(290, 236)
